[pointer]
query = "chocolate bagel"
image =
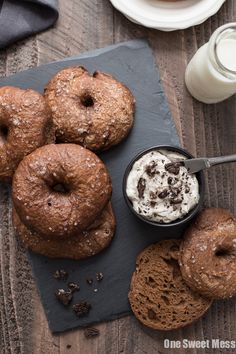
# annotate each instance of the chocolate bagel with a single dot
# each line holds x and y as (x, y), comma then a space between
(25, 125)
(95, 111)
(85, 244)
(208, 254)
(59, 190)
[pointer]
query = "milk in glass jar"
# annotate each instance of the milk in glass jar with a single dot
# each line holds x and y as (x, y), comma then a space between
(211, 74)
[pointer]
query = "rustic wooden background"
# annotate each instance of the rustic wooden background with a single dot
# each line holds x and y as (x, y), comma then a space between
(204, 130)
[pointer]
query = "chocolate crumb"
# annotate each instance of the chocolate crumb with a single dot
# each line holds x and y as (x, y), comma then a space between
(99, 276)
(152, 203)
(60, 274)
(68, 346)
(169, 180)
(89, 281)
(91, 332)
(151, 169)
(187, 189)
(153, 195)
(73, 287)
(176, 201)
(141, 187)
(82, 308)
(163, 194)
(175, 191)
(64, 296)
(173, 167)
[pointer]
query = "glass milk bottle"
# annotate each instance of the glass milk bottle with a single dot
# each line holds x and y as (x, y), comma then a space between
(211, 74)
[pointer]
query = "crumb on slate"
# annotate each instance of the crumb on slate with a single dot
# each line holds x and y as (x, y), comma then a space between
(99, 276)
(64, 296)
(89, 281)
(60, 274)
(82, 308)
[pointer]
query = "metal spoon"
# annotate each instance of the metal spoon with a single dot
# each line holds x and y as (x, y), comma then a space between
(201, 163)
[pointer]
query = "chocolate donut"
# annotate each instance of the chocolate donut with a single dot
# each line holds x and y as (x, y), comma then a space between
(59, 190)
(85, 244)
(208, 254)
(93, 111)
(25, 125)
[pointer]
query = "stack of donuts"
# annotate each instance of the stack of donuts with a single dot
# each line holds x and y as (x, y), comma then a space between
(61, 190)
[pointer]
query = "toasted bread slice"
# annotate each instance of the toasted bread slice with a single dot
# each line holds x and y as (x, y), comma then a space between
(158, 295)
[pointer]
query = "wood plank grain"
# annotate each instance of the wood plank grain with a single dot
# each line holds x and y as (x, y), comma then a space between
(203, 130)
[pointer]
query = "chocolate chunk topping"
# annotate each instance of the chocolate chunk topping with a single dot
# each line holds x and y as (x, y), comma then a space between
(173, 167)
(89, 281)
(91, 332)
(73, 287)
(153, 195)
(163, 194)
(187, 189)
(141, 187)
(152, 203)
(63, 296)
(99, 276)
(176, 201)
(60, 274)
(151, 169)
(175, 192)
(82, 308)
(170, 180)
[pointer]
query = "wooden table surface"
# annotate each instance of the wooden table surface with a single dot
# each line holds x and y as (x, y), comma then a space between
(204, 130)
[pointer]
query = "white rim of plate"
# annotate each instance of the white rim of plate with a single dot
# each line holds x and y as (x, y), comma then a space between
(212, 8)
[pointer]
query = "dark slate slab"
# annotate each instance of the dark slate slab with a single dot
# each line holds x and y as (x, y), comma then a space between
(132, 63)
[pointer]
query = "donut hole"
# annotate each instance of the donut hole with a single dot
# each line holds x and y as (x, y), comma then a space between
(3, 132)
(60, 188)
(223, 252)
(58, 140)
(87, 100)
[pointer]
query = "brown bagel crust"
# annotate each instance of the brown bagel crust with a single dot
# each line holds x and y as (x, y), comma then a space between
(25, 125)
(208, 254)
(90, 242)
(108, 116)
(56, 214)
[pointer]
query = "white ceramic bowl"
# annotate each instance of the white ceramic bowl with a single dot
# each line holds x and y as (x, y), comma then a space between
(168, 15)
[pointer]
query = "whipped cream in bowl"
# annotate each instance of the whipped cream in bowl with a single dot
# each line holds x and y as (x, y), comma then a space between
(158, 188)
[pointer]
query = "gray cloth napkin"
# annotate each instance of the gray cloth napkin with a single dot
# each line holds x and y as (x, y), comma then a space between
(21, 18)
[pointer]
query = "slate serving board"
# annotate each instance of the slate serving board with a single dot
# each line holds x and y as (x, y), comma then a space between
(132, 63)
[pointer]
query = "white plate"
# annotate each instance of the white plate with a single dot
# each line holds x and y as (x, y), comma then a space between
(166, 15)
